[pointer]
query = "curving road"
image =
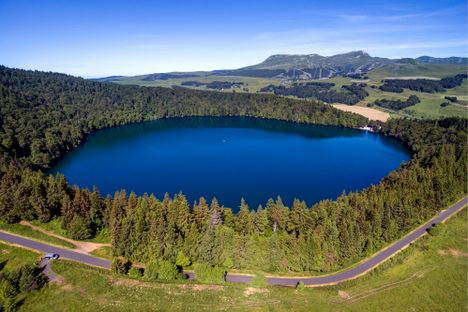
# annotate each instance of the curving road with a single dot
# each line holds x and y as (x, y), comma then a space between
(63, 252)
(354, 272)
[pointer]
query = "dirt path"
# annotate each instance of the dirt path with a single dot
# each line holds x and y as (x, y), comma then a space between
(83, 247)
(371, 113)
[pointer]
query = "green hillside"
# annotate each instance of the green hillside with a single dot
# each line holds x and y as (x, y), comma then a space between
(312, 66)
(351, 59)
(416, 70)
(286, 61)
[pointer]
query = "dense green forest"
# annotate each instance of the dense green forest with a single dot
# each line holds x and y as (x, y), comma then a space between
(45, 114)
(396, 104)
(192, 83)
(322, 91)
(422, 85)
(166, 76)
(216, 85)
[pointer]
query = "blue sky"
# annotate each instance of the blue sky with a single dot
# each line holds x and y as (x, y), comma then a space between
(104, 37)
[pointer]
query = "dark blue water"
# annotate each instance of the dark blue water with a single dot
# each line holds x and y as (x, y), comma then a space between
(232, 157)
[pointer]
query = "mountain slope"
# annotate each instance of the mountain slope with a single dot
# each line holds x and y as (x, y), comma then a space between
(314, 66)
(311, 66)
(349, 60)
(286, 61)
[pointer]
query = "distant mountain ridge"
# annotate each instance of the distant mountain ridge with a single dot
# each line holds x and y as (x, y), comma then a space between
(108, 79)
(314, 66)
(442, 60)
(308, 66)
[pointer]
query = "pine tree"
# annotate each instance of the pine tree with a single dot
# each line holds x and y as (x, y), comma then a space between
(215, 213)
(299, 219)
(207, 249)
(244, 224)
(182, 210)
(260, 221)
(96, 211)
(202, 215)
(278, 214)
(116, 219)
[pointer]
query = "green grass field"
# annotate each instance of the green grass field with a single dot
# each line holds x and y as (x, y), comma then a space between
(430, 275)
(14, 257)
(428, 108)
(409, 70)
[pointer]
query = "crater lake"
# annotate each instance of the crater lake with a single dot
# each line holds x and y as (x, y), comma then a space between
(230, 158)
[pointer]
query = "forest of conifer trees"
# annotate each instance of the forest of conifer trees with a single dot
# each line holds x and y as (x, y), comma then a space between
(43, 115)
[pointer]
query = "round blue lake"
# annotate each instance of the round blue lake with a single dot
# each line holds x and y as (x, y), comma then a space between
(232, 157)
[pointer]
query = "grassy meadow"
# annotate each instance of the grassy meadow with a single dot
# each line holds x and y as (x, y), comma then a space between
(410, 70)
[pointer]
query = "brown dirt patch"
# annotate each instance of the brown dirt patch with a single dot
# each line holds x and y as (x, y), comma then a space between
(370, 113)
(200, 287)
(59, 280)
(68, 287)
(452, 252)
(132, 282)
(249, 291)
(343, 294)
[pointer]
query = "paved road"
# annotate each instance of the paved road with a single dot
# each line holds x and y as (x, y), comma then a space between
(354, 272)
(63, 252)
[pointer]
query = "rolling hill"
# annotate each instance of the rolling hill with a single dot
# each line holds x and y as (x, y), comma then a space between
(314, 66)
(433, 70)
